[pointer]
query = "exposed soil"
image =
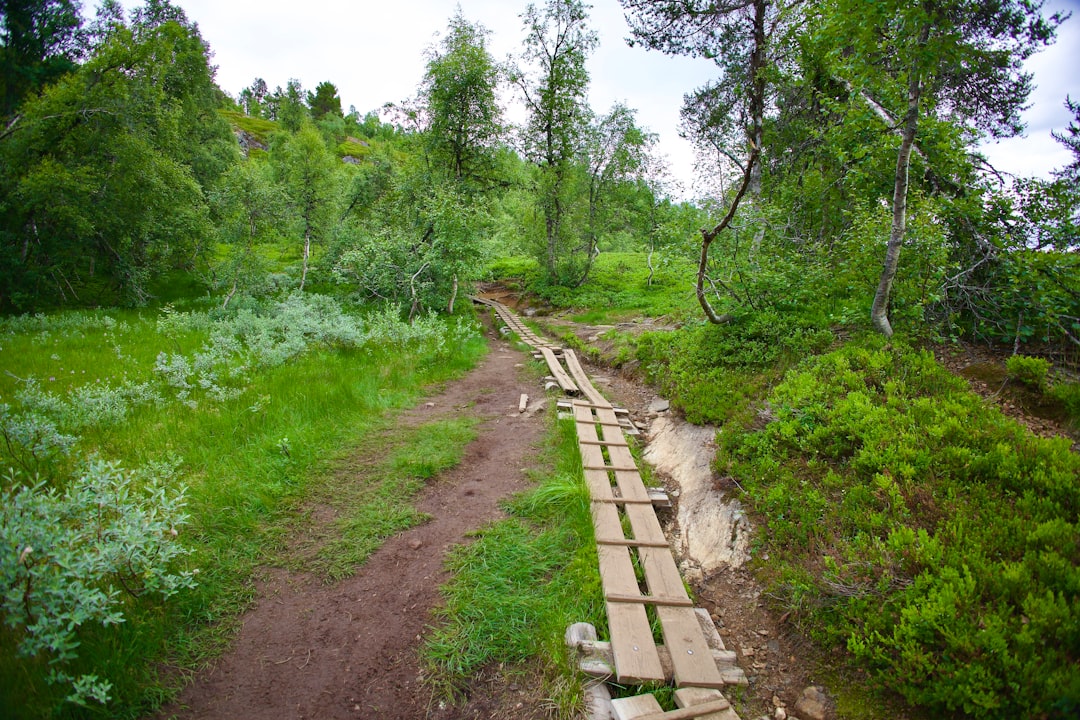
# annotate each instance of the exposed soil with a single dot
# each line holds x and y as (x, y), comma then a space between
(349, 650)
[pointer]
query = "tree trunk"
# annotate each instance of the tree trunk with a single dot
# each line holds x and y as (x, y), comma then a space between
(879, 312)
(307, 254)
(453, 296)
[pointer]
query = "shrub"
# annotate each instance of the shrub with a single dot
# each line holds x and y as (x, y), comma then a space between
(68, 558)
(936, 538)
(1031, 371)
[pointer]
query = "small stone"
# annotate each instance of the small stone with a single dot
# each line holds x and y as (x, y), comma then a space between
(780, 714)
(415, 544)
(777, 702)
(747, 652)
(762, 633)
(429, 404)
(813, 705)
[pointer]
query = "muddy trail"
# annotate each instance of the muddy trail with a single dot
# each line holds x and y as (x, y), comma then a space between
(308, 649)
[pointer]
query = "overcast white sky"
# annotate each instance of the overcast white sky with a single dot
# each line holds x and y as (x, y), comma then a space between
(372, 50)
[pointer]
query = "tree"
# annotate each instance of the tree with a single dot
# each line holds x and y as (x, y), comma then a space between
(103, 178)
(253, 97)
(40, 40)
(249, 208)
(308, 170)
(458, 95)
(959, 59)
(616, 151)
(1070, 138)
(557, 42)
(463, 125)
(324, 100)
(743, 37)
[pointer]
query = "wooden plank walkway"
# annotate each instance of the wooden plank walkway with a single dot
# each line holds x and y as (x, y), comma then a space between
(641, 582)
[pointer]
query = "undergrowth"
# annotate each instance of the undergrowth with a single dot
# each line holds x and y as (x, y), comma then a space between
(935, 538)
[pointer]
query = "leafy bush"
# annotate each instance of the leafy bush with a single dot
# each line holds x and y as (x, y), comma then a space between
(936, 538)
(1031, 371)
(714, 372)
(1068, 394)
(69, 557)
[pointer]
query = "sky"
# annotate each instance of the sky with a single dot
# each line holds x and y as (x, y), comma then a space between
(373, 51)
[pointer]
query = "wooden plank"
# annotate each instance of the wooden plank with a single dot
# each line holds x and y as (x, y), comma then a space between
(606, 522)
(690, 653)
(612, 468)
(523, 403)
(611, 540)
(596, 660)
(625, 501)
(689, 713)
(605, 443)
(558, 373)
(643, 522)
(691, 657)
(697, 697)
(582, 379)
(632, 708)
(650, 600)
(635, 655)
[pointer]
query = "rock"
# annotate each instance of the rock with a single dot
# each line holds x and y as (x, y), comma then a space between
(659, 405)
(415, 544)
(747, 652)
(780, 714)
(813, 705)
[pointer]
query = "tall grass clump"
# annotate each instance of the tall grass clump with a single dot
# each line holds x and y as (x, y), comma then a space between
(211, 424)
(520, 583)
(933, 537)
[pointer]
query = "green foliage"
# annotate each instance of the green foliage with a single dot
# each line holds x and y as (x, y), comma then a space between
(715, 372)
(70, 557)
(105, 170)
(933, 536)
(1068, 394)
(277, 391)
(1030, 371)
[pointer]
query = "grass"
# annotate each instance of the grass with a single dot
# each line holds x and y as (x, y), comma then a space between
(248, 464)
(521, 583)
(618, 287)
(370, 496)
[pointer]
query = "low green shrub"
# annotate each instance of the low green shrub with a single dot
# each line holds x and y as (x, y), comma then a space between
(934, 537)
(1068, 394)
(1031, 371)
(714, 373)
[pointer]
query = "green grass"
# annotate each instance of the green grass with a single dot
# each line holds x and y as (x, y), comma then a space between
(618, 287)
(248, 464)
(520, 583)
(260, 128)
(370, 492)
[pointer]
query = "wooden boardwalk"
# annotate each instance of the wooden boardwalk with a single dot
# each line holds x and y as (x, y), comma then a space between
(641, 582)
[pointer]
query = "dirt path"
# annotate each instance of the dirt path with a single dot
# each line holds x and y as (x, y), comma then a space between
(348, 650)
